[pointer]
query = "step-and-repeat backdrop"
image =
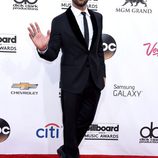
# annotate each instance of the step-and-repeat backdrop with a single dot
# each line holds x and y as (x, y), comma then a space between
(126, 122)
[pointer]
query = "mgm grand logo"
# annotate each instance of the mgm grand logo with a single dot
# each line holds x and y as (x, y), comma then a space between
(134, 7)
(136, 2)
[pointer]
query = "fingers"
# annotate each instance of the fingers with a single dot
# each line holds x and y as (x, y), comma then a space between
(33, 30)
(48, 34)
(37, 27)
(31, 33)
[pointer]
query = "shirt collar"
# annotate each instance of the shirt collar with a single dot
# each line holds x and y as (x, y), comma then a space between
(77, 12)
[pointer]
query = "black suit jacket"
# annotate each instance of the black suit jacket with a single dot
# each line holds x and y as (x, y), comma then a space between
(76, 61)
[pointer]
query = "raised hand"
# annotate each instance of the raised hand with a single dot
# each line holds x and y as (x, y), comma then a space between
(39, 40)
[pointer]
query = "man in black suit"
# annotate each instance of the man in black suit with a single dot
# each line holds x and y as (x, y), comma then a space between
(82, 68)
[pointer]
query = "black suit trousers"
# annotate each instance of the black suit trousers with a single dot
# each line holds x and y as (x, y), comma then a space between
(78, 113)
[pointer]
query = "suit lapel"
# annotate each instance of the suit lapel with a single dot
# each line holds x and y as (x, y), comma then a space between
(76, 30)
(95, 28)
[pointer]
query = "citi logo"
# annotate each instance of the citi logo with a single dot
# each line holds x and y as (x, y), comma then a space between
(51, 130)
(4, 39)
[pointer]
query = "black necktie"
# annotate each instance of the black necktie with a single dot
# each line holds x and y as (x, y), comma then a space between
(86, 31)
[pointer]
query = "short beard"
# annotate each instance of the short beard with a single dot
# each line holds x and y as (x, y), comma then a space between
(79, 4)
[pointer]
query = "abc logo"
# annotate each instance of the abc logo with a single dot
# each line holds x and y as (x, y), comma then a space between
(4, 130)
(109, 46)
(149, 132)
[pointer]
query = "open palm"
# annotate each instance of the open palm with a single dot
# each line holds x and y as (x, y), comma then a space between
(39, 40)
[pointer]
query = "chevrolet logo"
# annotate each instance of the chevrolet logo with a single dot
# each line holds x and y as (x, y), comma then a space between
(24, 86)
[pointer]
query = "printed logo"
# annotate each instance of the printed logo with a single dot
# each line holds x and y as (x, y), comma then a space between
(24, 88)
(126, 91)
(136, 2)
(92, 4)
(149, 134)
(4, 130)
(103, 132)
(25, 5)
(26, 1)
(8, 43)
(151, 49)
(65, 4)
(109, 46)
(134, 7)
(51, 130)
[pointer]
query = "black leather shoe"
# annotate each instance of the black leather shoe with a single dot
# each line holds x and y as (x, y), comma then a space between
(61, 152)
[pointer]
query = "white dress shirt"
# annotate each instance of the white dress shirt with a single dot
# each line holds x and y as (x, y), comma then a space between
(79, 19)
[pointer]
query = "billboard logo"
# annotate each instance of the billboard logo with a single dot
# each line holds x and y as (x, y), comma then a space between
(103, 132)
(4, 130)
(8, 43)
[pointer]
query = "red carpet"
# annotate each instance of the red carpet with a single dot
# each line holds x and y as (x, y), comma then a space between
(82, 156)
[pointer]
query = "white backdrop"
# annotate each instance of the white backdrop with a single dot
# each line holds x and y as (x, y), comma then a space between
(126, 122)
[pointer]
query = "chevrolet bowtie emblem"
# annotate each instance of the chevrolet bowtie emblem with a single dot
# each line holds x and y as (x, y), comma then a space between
(24, 86)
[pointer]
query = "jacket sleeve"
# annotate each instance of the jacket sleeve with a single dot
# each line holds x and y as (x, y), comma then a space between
(54, 44)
